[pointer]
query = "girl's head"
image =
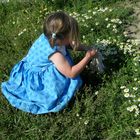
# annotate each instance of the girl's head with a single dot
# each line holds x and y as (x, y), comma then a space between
(61, 29)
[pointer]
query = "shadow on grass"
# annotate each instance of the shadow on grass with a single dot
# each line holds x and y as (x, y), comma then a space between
(113, 64)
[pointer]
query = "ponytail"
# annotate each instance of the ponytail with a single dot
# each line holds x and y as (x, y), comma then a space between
(52, 39)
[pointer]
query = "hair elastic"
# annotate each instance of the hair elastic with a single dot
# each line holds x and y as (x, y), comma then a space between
(53, 35)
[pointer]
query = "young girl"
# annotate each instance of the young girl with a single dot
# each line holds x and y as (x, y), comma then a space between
(46, 79)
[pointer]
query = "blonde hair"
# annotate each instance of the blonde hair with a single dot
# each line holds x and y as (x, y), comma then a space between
(74, 33)
(62, 25)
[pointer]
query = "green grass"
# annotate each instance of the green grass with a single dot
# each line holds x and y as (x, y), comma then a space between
(106, 113)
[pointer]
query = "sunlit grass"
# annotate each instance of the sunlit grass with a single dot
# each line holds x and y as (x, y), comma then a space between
(107, 106)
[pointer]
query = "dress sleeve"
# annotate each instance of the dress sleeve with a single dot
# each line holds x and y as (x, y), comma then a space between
(51, 51)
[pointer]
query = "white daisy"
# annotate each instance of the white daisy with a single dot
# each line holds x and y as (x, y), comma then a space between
(134, 106)
(135, 79)
(86, 122)
(77, 115)
(135, 88)
(97, 23)
(126, 95)
(126, 90)
(96, 92)
(137, 131)
(106, 19)
(130, 109)
(122, 87)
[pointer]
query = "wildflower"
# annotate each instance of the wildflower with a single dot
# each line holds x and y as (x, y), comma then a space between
(83, 36)
(134, 106)
(114, 26)
(126, 95)
(135, 79)
(83, 20)
(125, 33)
(130, 109)
(97, 23)
(96, 92)
(126, 90)
(77, 115)
(120, 22)
(106, 8)
(86, 17)
(128, 40)
(137, 131)
(122, 87)
(93, 13)
(134, 100)
(112, 20)
(24, 30)
(96, 8)
(85, 41)
(132, 95)
(20, 33)
(115, 30)
(106, 19)
(86, 122)
(89, 11)
(137, 111)
(46, 9)
(135, 88)
(108, 25)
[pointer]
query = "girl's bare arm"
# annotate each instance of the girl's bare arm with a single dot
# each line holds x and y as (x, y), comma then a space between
(64, 67)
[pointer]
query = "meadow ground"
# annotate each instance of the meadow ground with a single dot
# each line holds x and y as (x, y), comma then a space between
(107, 106)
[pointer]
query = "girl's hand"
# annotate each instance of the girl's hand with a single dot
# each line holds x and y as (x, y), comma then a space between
(91, 53)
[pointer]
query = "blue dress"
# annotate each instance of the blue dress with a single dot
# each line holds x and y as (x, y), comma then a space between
(35, 85)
